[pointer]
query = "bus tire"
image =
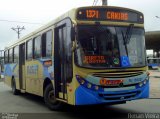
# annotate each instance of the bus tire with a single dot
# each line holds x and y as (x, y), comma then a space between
(50, 100)
(14, 90)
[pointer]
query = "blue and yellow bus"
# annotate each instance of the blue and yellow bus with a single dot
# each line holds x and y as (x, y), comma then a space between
(90, 55)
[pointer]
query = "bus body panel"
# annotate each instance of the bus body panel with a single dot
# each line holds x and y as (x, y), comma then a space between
(9, 73)
(36, 73)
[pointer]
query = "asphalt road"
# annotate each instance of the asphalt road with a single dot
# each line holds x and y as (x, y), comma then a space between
(26, 106)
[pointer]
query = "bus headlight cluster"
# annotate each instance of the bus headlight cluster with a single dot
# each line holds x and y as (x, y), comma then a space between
(87, 84)
(143, 82)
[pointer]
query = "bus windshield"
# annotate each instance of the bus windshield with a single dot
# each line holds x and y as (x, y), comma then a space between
(100, 46)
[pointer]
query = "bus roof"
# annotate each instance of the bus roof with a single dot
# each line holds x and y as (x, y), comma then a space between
(70, 14)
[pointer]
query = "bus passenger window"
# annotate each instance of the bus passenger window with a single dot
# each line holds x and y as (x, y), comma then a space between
(6, 56)
(10, 56)
(15, 54)
(47, 44)
(29, 49)
(37, 47)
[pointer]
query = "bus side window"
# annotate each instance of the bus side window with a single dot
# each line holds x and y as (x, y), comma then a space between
(37, 47)
(15, 54)
(29, 53)
(6, 56)
(11, 55)
(47, 44)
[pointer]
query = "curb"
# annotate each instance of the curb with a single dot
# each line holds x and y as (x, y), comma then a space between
(155, 76)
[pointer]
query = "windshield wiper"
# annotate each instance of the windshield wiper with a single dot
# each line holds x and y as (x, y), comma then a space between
(127, 36)
(129, 33)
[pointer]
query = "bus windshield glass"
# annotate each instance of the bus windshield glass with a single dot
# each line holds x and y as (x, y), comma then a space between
(101, 46)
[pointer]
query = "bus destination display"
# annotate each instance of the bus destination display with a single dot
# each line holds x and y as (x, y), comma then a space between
(109, 14)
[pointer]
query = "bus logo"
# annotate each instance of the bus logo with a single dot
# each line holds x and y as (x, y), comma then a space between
(105, 82)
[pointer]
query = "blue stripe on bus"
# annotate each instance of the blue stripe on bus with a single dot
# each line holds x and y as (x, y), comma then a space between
(9, 68)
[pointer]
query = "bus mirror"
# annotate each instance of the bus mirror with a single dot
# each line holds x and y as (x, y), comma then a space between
(72, 34)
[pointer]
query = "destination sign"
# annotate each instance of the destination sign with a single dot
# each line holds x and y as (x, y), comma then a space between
(109, 14)
(93, 59)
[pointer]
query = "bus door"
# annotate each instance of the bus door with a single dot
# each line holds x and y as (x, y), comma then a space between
(22, 66)
(62, 58)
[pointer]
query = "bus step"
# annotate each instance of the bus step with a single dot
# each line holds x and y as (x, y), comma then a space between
(23, 91)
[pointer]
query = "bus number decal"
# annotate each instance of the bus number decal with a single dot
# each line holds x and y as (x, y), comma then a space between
(92, 13)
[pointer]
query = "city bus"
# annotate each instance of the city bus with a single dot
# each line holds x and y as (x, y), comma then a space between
(153, 62)
(91, 55)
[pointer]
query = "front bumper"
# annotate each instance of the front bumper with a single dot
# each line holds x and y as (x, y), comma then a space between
(84, 96)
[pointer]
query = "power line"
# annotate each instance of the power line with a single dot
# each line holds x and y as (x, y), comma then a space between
(94, 2)
(100, 2)
(97, 2)
(19, 22)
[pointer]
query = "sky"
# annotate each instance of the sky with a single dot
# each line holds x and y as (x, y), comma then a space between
(36, 13)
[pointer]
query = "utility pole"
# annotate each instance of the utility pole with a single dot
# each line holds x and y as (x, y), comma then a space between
(18, 29)
(104, 2)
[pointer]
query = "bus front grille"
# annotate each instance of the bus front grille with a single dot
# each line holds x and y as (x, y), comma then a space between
(116, 74)
(119, 96)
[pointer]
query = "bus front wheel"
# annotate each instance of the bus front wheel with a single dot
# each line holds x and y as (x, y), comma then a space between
(50, 99)
(14, 90)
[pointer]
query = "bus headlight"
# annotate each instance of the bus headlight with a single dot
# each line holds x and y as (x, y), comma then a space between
(140, 84)
(96, 87)
(144, 82)
(89, 85)
(82, 81)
